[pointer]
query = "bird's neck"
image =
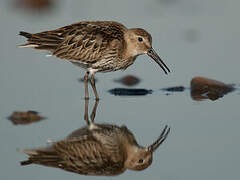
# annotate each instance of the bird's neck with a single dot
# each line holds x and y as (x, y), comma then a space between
(131, 152)
(132, 149)
(129, 49)
(130, 145)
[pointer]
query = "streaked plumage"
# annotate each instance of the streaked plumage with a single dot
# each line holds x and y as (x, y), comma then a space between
(105, 150)
(96, 149)
(98, 46)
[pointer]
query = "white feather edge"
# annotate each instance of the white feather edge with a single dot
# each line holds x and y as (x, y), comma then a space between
(28, 151)
(28, 46)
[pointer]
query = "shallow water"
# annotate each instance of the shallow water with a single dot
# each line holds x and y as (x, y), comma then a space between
(194, 38)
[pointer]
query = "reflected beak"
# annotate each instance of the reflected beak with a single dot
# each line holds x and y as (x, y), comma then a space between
(158, 60)
(160, 139)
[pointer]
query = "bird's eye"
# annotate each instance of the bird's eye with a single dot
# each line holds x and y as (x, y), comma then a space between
(140, 161)
(140, 39)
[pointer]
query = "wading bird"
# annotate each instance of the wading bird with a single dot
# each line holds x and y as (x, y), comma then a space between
(97, 46)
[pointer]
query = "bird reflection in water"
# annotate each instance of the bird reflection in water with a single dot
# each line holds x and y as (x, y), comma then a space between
(96, 149)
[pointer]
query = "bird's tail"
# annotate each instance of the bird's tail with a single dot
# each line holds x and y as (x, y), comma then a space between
(47, 40)
(44, 156)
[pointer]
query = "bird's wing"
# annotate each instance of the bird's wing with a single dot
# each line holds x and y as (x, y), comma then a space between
(87, 41)
(83, 42)
(88, 156)
(78, 132)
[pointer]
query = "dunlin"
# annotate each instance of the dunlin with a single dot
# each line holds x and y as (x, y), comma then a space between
(97, 149)
(99, 46)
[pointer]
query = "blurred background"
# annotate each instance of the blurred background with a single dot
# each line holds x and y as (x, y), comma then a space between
(194, 38)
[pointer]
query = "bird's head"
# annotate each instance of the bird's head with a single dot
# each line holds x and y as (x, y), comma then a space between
(139, 158)
(139, 42)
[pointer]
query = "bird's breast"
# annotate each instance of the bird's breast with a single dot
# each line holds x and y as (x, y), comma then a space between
(125, 63)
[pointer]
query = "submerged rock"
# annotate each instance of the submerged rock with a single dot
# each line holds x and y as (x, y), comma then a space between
(128, 80)
(204, 88)
(129, 92)
(174, 89)
(35, 5)
(28, 117)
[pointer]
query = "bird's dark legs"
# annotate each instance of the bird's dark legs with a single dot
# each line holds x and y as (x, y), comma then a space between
(92, 81)
(94, 87)
(86, 85)
(86, 118)
(94, 111)
(86, 112)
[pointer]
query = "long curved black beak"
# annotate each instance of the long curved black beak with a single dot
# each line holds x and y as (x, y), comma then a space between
(160, 139)
(158, 60)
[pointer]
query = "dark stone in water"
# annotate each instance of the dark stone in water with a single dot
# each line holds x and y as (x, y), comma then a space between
(128, 80)
(34, 4)
(174, 89)
(204, 88)
(129, 92)
(28, 117)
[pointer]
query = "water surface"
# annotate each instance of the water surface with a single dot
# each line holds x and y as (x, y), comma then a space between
(194, 38)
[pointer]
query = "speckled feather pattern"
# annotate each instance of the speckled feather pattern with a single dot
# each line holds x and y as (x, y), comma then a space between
(87, 44)
(106, 150)
(97, 152)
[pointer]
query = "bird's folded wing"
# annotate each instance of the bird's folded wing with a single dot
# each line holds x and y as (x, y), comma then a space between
(87, 41)
(88, 156)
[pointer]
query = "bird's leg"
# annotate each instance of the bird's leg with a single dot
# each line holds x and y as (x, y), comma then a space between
(93, 114)
(86, 85)
(92, 126)
(94, 87)
(86, 112)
